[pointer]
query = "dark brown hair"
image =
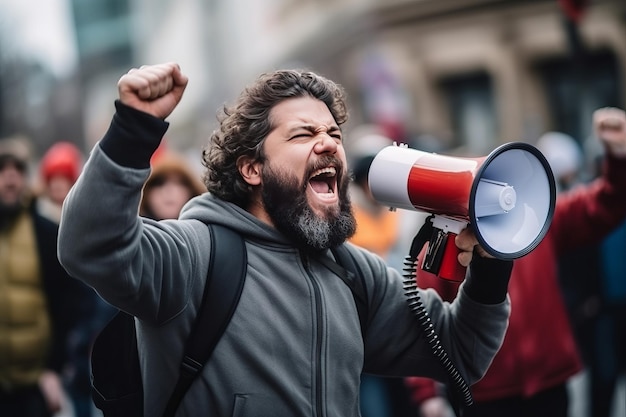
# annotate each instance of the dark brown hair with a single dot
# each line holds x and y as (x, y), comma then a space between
(245, 125)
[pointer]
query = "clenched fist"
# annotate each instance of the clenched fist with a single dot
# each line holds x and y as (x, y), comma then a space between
(609, 124)
(153, 89)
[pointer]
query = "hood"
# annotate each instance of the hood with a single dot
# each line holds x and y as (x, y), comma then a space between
(210, 209)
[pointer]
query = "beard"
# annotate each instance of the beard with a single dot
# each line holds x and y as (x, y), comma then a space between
(9, 212)
(285, 201)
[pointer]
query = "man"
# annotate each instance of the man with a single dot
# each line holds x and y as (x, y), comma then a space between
(529, 375)
(34, 315)
(276, 173)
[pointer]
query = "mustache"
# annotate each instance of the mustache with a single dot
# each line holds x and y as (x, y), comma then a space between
(323, 162)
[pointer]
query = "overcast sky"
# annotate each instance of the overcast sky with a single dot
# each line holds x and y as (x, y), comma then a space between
(41, 29)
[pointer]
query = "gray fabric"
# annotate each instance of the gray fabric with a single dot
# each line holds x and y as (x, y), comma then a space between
(294, 346)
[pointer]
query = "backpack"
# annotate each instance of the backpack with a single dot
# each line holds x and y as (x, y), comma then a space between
(116, 384)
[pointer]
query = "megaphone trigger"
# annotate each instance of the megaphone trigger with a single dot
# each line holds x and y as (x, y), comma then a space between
(442, 253)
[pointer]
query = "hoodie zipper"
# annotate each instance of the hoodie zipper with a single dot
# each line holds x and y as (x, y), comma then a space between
(318, 346)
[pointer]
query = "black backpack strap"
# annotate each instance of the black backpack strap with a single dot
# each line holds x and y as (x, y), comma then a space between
(351, 274)
(225, 280)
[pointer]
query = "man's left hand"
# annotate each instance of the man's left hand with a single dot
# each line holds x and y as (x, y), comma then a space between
(466, 242)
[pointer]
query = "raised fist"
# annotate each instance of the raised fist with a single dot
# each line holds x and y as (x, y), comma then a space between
(153, 89)
(610, 127)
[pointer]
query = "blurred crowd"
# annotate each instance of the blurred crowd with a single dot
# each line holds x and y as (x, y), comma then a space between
(48, 320)
(568, 295)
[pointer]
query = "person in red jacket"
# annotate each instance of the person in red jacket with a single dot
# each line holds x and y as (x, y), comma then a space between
(529, 375)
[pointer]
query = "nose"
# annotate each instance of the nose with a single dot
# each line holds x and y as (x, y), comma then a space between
(326, 144)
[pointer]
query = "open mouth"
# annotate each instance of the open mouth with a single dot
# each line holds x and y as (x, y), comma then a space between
(324, 182)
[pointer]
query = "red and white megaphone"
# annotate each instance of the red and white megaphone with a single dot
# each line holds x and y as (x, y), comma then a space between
(507, 197)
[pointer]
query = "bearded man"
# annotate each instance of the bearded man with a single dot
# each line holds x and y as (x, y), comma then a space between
(276, 174)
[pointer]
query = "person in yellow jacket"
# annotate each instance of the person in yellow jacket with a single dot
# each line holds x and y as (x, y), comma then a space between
(35, 315)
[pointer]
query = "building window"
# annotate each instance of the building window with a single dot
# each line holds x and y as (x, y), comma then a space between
(472, 111)
(574, 89)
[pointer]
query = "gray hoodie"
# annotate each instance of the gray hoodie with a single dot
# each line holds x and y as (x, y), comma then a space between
(294, 345)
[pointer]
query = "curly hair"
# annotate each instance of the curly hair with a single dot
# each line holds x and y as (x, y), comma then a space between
(244, 126)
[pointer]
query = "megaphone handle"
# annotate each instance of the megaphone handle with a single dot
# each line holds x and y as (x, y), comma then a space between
(442, 255)
(450, 268)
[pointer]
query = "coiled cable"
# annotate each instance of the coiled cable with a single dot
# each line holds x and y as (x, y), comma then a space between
(409, 273)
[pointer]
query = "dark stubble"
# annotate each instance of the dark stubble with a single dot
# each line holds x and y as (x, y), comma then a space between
(284, 198)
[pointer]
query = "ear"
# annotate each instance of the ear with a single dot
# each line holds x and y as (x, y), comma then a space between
(250, 169)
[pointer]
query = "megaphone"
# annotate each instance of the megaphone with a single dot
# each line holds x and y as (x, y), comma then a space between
(507, 197)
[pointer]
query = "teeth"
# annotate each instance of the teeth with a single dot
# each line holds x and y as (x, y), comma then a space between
(329, 170)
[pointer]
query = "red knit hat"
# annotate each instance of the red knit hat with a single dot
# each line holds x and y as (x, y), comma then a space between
(63, 158)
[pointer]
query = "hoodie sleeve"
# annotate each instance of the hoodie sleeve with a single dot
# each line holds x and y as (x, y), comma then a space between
(470, 329)
(134, 264)
(133, 136)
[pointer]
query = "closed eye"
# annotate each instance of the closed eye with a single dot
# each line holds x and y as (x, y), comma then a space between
(335, 133)
(301, 136)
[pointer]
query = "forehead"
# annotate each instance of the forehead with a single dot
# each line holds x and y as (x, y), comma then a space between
(301, 111)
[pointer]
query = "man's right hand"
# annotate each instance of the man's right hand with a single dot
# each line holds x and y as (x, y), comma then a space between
(153, 89)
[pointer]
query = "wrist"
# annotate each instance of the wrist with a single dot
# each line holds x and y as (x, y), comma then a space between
(488, 280)
(133, 137)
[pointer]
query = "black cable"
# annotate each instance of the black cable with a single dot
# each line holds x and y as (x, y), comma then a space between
(461, 388)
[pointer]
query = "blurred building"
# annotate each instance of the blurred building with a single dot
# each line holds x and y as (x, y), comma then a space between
(473, 73)
(38, 97)
(117, 35)
(469, 74)
(105, 51)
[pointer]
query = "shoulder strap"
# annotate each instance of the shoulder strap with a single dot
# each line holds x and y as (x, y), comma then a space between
(225, 279)
(350, 272)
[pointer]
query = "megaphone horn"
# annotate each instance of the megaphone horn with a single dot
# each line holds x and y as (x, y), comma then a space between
(507, 197)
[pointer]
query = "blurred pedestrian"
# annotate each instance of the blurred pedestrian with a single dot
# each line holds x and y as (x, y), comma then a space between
(598, 308)
(530, 372)
(378, 230)
(171, 184)
(58, 170)
(606, 358)
(565, 157)
(35, 317)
